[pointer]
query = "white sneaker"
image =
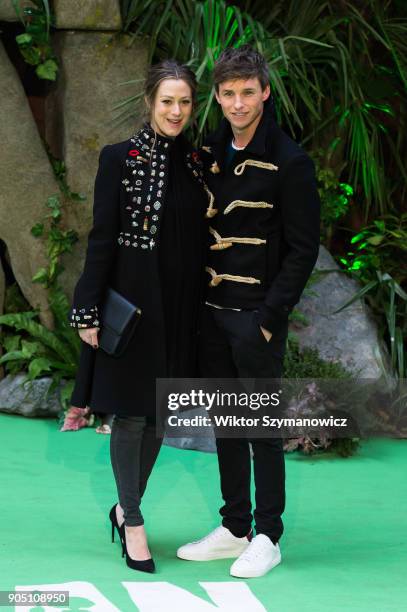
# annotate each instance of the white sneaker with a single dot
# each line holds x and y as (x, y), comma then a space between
(259, 557)
(218, 544)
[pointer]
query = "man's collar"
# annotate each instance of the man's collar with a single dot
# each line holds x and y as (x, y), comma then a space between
(257, 146)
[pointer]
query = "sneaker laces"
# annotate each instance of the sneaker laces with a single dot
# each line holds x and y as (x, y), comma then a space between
(213, 535)
(254, 550)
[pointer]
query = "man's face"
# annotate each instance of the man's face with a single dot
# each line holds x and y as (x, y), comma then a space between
(242, 101)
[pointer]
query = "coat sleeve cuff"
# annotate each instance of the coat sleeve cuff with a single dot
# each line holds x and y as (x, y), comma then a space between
(81, 318)
(271, 318)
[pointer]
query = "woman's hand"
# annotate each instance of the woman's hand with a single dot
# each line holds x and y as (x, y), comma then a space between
(90, 335)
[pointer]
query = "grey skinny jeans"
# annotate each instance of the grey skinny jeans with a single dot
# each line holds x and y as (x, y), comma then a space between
(133, 451)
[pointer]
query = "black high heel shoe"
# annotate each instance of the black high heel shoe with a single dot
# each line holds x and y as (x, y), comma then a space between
(115, 525)
(142, 566)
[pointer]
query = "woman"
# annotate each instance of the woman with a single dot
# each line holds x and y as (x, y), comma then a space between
(147, 243)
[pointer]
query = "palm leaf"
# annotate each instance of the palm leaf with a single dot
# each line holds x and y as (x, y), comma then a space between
(317, 52)
(358, 295)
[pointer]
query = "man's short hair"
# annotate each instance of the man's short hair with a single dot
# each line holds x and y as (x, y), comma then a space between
(242, 63)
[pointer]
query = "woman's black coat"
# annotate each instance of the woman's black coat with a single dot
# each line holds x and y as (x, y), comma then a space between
(122, 253)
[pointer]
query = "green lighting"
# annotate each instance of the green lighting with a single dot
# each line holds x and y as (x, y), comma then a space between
(346, 188)
(357, 238)
(357, 265)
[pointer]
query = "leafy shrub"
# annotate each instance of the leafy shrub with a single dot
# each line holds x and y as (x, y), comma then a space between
(307, 363)
(335, 197)
(379, 261)
(34, 43)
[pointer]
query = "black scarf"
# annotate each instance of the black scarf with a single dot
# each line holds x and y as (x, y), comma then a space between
(181, 260)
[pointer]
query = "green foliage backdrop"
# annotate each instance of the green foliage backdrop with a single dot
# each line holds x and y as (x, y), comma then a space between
(338, 71)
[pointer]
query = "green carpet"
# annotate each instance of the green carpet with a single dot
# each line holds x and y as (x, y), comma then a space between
(344, 546)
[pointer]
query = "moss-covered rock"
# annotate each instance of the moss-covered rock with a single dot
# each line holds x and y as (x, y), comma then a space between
(7, 10)
(351, 336)
(79, 117)
(85, 15)
(26, 180)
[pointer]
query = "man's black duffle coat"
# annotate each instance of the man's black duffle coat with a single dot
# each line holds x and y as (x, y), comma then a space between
(264, 225)
(123, 253)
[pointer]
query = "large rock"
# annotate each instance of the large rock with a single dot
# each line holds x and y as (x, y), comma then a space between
(92, 67)
(350, 336)
(28, 398)
(206, 445)
(205, 442)
(2, 296)
(26, 180)
(7, 11)
(2, 288)
(86, 15)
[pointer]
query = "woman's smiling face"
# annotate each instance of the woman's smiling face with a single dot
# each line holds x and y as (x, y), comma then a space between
(172, 107)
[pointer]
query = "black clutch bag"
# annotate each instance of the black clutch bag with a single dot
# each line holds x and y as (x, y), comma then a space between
(119, 319)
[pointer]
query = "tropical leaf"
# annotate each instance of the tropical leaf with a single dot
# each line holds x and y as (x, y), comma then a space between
(66, 393)
(24, 321)
(358, 295)
(11, 343)
(13, 356)
(38, 366)
(48, 70)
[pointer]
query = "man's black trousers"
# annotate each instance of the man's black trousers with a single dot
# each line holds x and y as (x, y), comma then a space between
(232, 345)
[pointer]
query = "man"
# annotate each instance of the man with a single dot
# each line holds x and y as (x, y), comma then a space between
(264, 240)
